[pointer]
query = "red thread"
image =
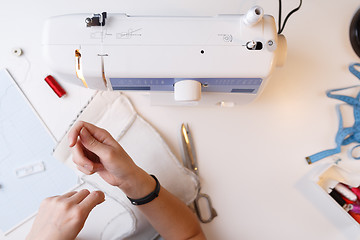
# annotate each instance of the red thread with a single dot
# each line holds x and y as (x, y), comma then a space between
(55, 86)
(355, 216)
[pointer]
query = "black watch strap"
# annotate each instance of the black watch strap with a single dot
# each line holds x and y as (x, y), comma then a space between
(148, 198)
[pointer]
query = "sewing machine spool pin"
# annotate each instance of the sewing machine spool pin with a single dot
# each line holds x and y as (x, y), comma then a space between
(253, 16)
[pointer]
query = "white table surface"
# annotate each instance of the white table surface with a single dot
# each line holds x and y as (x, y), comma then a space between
(252, 157)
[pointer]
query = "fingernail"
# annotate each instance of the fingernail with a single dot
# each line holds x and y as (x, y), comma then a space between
(84, 132)
(70, 142)
(102, 196)
(85, 136)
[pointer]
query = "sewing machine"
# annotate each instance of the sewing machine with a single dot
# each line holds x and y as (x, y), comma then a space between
(228, 58)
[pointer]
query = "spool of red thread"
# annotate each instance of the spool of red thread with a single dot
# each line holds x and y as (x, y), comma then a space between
(355, 216)
(55, 86)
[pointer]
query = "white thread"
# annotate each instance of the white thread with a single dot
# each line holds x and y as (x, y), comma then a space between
(343, 190)
(18, 52)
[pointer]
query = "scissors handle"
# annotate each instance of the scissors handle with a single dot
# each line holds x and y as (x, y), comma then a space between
(202, 203)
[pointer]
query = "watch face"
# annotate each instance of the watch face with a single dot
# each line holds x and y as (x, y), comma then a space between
(355, 32)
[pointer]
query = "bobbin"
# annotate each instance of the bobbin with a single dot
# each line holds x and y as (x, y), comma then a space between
(17, 52)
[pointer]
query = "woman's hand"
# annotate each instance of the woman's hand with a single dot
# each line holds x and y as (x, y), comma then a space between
(62, 217)
(95, 150)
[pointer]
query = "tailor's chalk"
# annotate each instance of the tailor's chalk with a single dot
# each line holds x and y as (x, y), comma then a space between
(30, 169)
(55, 86)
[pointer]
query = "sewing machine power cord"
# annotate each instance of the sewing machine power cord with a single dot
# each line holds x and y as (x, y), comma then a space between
(281, 28)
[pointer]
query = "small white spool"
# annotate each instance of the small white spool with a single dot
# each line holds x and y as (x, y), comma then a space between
(343, 190)
(17, 52)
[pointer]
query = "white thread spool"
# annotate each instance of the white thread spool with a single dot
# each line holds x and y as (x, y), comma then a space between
(343, 190)
(17, 52)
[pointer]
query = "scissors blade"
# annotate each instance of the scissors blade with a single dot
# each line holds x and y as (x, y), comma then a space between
(189, 150)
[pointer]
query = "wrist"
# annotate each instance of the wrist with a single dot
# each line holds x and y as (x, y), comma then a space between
(148, 198)
(138, 184)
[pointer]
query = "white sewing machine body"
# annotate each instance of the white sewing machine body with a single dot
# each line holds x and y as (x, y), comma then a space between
(228, 57)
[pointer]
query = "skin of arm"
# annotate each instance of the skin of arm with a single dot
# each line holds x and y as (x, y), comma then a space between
(95, 150)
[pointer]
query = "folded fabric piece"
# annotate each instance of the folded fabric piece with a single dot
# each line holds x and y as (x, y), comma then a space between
(114, 112)
(108, 221)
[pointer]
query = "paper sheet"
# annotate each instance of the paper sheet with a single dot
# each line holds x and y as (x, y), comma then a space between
(25, 141)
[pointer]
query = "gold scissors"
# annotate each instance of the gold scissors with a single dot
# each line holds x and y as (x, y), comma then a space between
(202, 204)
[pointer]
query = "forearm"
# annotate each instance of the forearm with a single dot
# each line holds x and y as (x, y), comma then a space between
(166, 213)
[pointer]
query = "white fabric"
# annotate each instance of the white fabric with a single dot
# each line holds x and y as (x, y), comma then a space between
(114, 112)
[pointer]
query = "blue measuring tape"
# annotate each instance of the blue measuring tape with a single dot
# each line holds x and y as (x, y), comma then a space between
(351, 152)
(344, 136)
(353, 70)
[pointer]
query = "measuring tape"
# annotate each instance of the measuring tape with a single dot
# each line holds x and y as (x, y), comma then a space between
(344, 136)
(351, 153)
(353, 70)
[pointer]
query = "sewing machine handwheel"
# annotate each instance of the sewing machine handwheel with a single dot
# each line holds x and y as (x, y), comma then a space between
(355, 32)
